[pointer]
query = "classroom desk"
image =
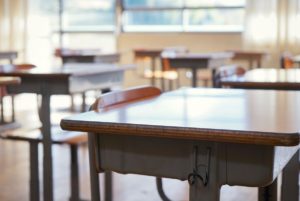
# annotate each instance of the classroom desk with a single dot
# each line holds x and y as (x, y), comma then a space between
(252, 57)
(268, 79)
(90, 58)
(210, 137)
(9, 55)
(48, 82)
(153, 54)
(195, 61)
(265, 78)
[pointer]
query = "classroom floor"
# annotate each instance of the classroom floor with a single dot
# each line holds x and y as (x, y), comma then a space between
(14, 167)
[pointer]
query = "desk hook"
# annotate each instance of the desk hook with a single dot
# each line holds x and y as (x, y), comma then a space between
(192, 177)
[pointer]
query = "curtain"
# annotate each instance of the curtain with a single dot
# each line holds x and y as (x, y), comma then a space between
(13, 21)
(272, 26)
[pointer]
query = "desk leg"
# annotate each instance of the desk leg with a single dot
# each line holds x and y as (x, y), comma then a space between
(210, 177)
(47, 160)
(199, 192)
(108, 186)
(268, 193)
(290, 180)
(194, 77)
(94, 176)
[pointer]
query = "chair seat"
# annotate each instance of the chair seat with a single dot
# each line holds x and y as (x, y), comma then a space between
(58, 136)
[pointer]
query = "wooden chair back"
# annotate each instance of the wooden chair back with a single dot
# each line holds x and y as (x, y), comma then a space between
(24, 66)
(226, 71)
(126, 96)
(286, 60)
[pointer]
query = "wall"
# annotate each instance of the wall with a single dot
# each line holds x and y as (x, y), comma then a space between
(195, 42)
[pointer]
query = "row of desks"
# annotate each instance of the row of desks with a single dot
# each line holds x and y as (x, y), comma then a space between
(196, 61)
(56, 81)
(210, 131)
(228, 136)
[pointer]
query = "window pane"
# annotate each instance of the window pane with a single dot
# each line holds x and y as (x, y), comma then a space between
(152, 20)
(152, 3)
(193, 3)
(215, 19)
(89, 14)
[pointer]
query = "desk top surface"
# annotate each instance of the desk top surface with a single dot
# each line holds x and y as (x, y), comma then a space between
(9, 81)
(269, 77)
(221, 115)
(66, 70)
(89, 54)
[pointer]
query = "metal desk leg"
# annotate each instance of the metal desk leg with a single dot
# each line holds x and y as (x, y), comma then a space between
(74, 174)
(108, 186)
(199, 192)
(34, 172)
(94, 176)
(194, 77)
(205, 185)
(268, 193)
(47, 160)
(290, 180)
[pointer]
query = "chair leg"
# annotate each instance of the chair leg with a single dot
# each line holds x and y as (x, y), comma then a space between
(72, 103)
(83, 104)
(94, 176)
(159, 186)
(34, 172)
(2, 109)
(13, 118)
(74, 174)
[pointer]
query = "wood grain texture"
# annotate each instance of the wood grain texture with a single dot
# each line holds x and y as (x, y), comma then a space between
(126, 96)
(220, 115)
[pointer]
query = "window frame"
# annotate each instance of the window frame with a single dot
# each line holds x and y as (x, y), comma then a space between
(182, 26)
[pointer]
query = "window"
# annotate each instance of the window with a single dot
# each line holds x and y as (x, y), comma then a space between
(88, 15)
(183, 15)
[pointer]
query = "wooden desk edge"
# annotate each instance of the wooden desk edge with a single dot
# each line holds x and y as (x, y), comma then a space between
(229, 136)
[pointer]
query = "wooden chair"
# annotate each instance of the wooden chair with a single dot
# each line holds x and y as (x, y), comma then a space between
(226, 71)
(286, 60)
(166, 73)
(113, 100)
(34, 137)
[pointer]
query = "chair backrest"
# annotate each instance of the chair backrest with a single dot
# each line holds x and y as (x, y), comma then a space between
(286, 60)
(125, 96)
(170, 51)
(226, 71)
(24, 66)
